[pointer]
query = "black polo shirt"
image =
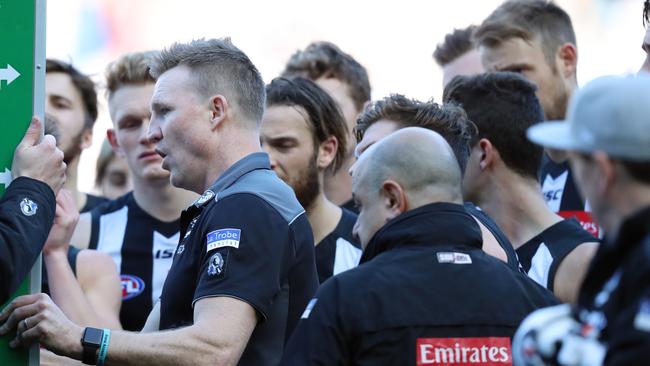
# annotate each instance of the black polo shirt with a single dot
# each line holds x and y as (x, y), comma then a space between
(247, 237)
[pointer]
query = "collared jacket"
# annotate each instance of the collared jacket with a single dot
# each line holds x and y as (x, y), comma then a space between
(26, 217)
(424, 294)
(614, 301)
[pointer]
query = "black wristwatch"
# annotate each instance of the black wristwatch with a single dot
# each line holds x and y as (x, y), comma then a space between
(90, 342)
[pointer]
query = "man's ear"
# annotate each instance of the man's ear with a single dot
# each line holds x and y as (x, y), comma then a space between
(327, 152)
(394, 198)
(606, 171)
(488, 154)
(86, 138)
(568, 60)
(112, 139)
(219, 109)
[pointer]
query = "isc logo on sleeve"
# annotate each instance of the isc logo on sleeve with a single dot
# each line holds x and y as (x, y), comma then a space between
(223, 238)
(464, 351)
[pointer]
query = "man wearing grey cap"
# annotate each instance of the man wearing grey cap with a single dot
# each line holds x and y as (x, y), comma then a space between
(607, 137)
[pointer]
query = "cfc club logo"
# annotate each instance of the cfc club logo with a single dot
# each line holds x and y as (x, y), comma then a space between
(216, 265)
(28, 207)
(464, 351)
(132, 286)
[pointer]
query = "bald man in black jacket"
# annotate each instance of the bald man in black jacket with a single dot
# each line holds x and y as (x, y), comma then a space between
(429, 293)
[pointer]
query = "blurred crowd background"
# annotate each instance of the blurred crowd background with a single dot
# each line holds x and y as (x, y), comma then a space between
(394, 40)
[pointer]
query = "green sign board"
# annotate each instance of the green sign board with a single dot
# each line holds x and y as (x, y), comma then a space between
(22, 88)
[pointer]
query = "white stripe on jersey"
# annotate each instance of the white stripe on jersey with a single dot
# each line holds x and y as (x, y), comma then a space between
(163, 253)
(112, 228)
(540, 265)
(347, 256)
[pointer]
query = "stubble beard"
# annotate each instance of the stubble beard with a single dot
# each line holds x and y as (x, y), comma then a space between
(307, 185)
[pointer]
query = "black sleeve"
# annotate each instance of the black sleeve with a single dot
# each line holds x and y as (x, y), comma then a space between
(94, 229)
(26, 216)
(244, 244)
(322, 336)
(303, 278)
(630, 329)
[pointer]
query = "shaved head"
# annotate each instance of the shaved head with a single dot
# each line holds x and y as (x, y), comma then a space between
(418, 159)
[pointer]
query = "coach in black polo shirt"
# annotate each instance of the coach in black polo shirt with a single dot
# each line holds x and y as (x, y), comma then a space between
(249, 239)
(244, 268)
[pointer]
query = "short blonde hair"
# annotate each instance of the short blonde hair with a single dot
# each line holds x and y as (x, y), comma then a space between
(130, 69)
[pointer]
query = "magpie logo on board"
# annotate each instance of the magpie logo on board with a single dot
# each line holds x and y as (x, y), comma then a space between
(28, 207)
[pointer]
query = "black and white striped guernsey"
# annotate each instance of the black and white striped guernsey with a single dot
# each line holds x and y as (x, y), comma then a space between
(142, 248)
(338, 251)
(561, 194)
(541, 256)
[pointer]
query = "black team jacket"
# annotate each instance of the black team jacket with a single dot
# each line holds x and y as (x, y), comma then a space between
(614, 300)
(425, 293)
(26, 217)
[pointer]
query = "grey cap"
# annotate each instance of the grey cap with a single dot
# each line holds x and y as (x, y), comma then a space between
(610, 114)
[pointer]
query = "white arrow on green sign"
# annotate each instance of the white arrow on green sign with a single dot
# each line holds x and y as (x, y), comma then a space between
(6, 178)
(9, 74)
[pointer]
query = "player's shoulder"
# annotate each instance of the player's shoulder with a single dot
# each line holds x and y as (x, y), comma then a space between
(111, 206)
(262, 188)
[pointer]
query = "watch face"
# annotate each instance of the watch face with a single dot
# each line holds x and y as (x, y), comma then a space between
(93, 336)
